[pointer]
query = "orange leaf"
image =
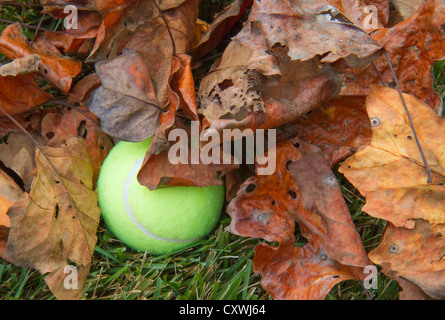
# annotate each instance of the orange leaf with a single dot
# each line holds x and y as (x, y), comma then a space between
(390, 171)
(58, 70)
(304, 190)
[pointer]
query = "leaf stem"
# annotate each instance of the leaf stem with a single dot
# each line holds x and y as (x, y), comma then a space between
(428, 169)
(166, 24)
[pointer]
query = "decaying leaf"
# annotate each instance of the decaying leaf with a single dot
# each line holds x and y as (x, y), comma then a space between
(57, 128)
(57, 226)
(390, 171)
(304, 190)
(416, 256)
(57, 69)
(413, 46)
(27, 64)
(276, 57)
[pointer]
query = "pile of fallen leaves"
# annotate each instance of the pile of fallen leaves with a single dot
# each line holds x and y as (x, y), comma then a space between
(313, 70)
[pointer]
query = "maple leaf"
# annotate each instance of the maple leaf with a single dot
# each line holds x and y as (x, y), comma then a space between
(390, 172)
(58, 222)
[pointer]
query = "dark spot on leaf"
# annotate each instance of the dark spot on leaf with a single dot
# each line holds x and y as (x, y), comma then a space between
(50, 135)
(250, 188)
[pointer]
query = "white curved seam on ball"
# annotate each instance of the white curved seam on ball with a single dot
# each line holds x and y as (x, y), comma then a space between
(137, 165)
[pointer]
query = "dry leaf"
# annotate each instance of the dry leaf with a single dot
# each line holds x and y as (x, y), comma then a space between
(57, 69)
(27, 64)
(57, 226)
(413, 46)
(271, 72)
(304, 190)
(339, 128)
(415, 256)
(390, 171)
(126, 102)
(219, 27)
(57, 128)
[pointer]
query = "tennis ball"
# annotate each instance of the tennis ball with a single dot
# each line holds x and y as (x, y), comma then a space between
(162, 220)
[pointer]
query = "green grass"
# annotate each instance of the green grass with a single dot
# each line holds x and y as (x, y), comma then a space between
(219, 268)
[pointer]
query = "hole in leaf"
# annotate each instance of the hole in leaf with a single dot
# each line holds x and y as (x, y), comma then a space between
(292, 194)
(56, 211)
(250, 188)
(13, 175)
(288, 164)
(81, 129)
(50, 135)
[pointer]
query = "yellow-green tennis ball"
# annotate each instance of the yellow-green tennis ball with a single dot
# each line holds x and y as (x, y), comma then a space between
(158, 221)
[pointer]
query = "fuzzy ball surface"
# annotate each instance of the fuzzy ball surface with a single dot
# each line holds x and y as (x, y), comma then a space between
(159, 221)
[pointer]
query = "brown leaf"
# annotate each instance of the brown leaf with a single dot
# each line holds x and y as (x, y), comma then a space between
(413, 46)
(27, 64)
(415, 256)
(58, 128)
(21, 93)
(272, 59)
(219, 27)
(403, 9)
(58, 70)
(18, 154)
(58, 224)
(153, 41)
(126, 102)
(82, 90)
(303, 190)
(10, 193)
(157, 169)
(390, 171)
(339, 128)
(71, 41)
